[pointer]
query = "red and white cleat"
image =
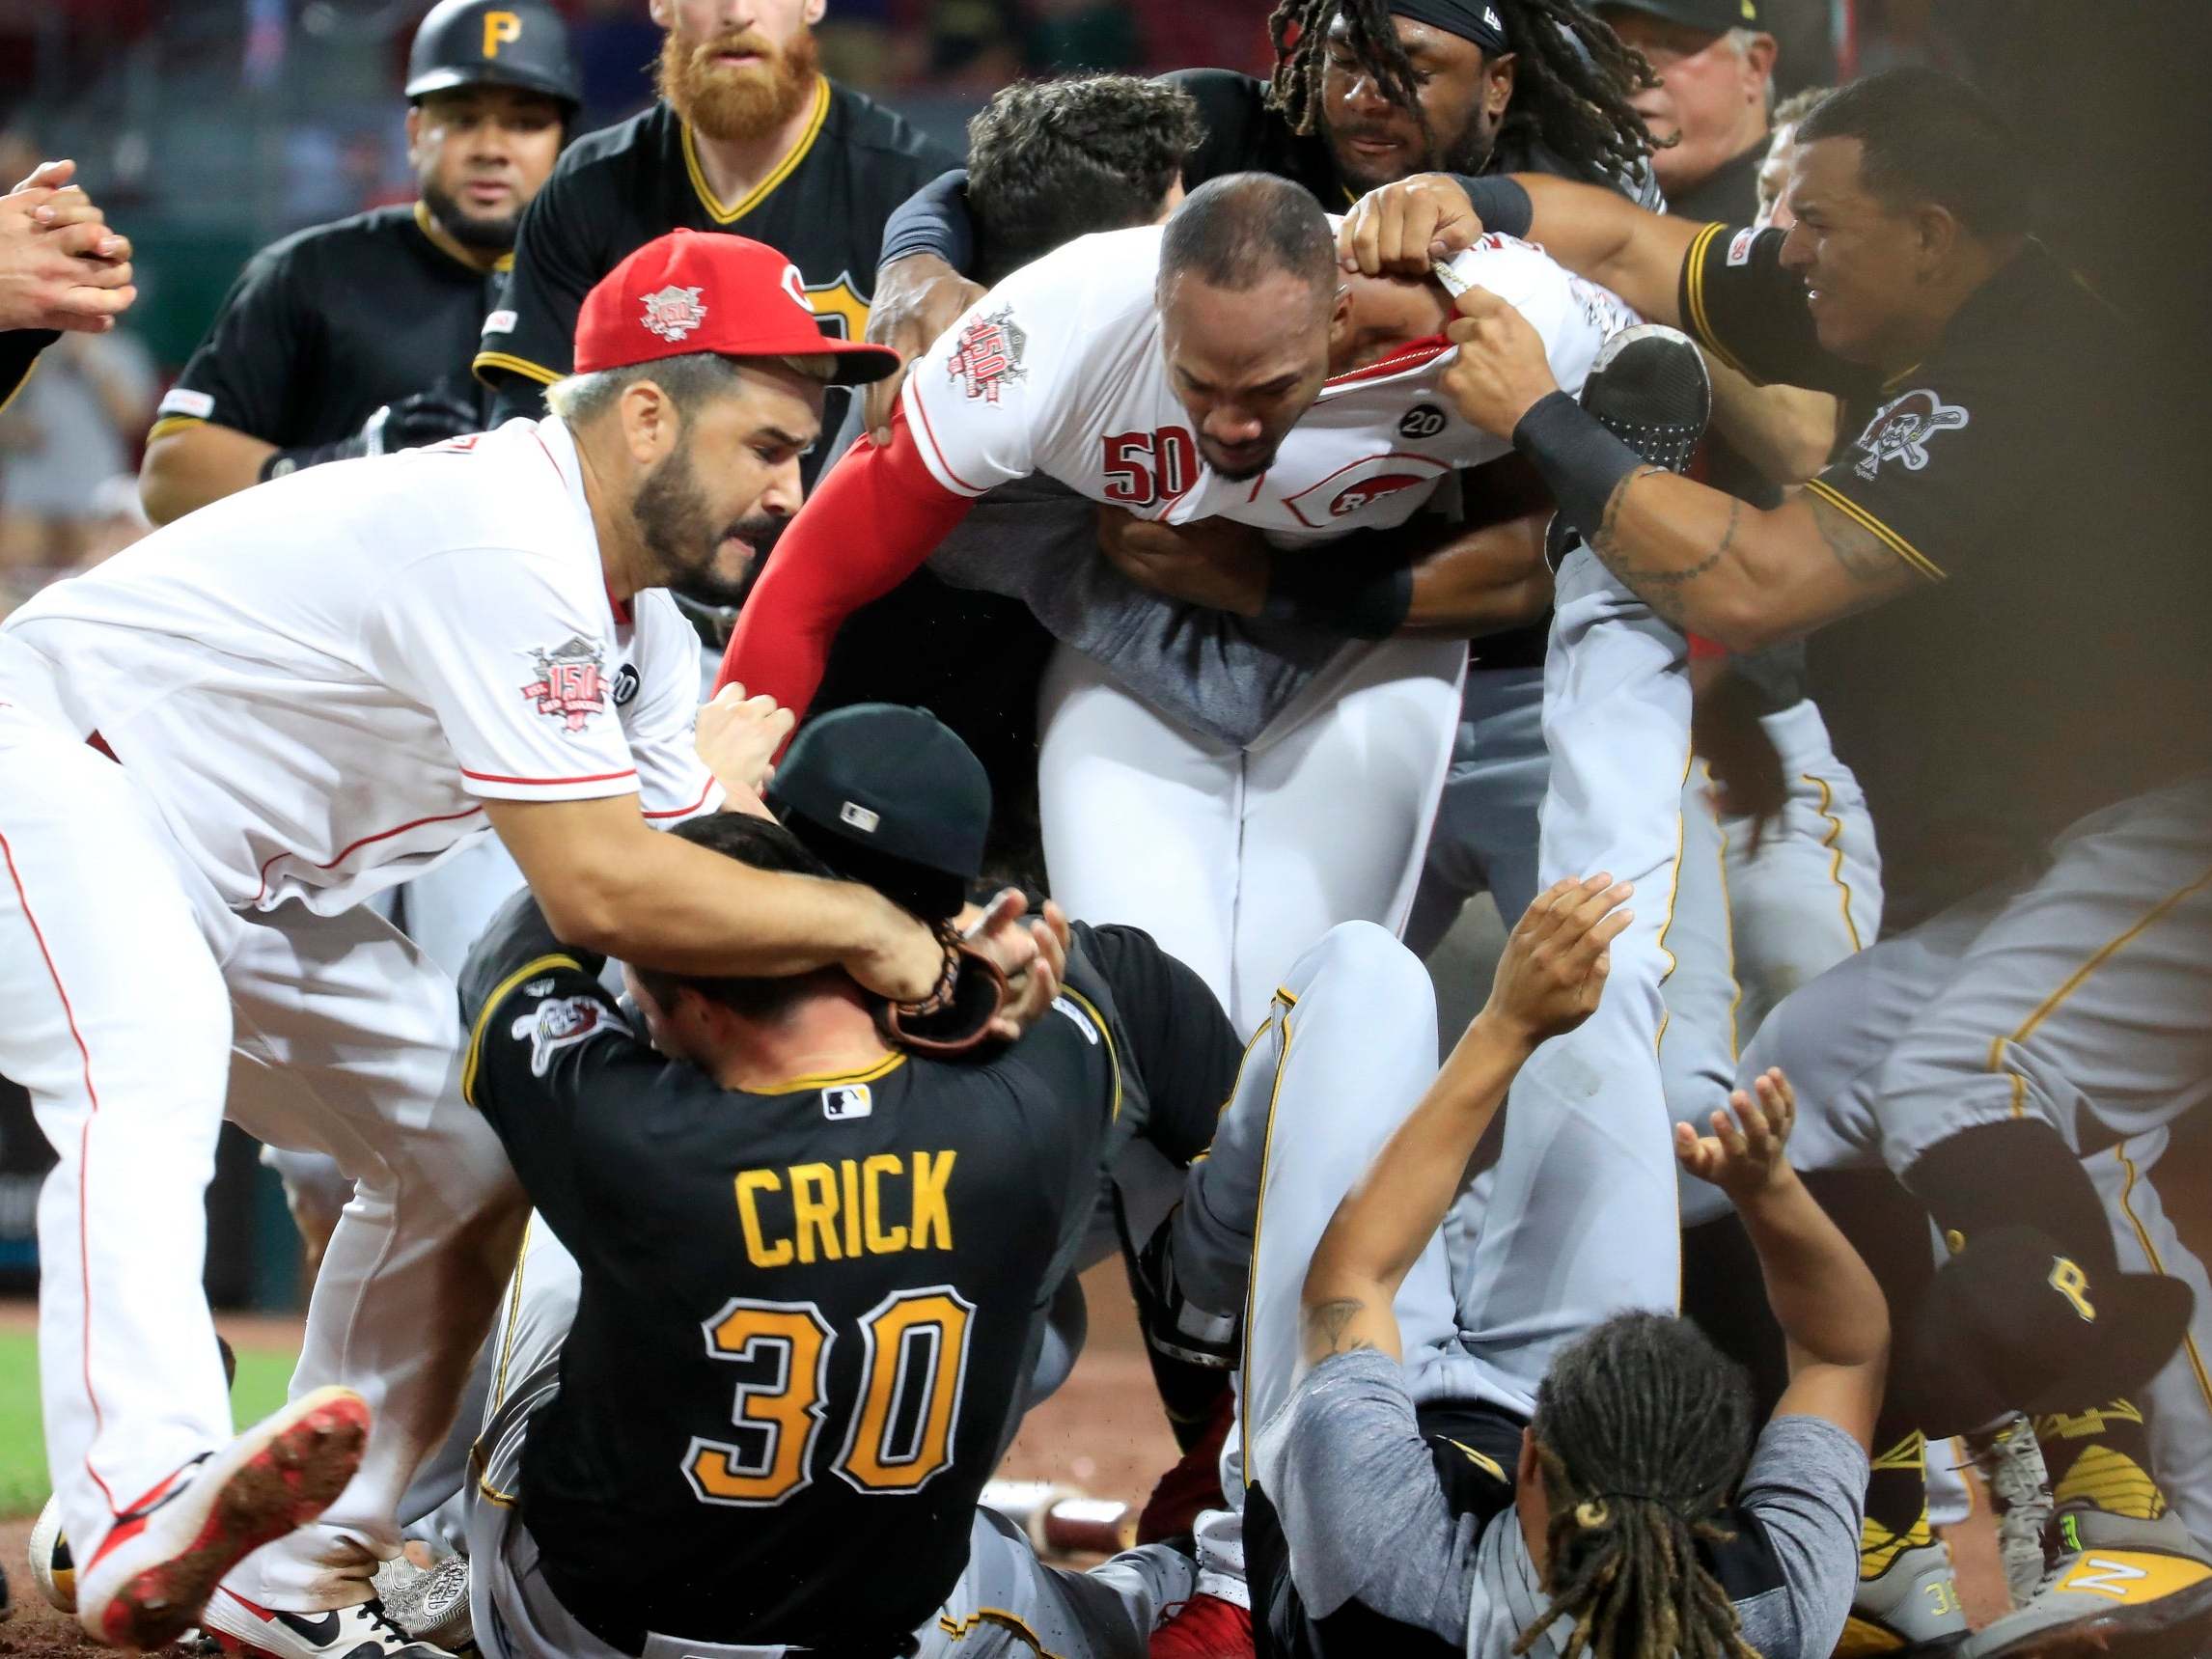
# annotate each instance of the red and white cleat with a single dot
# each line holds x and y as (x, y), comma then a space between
(1204, 1627)
(163, 1558)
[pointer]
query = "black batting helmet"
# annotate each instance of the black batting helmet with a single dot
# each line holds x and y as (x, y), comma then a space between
(494, 42)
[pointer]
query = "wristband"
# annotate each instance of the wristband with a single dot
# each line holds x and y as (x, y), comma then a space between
(1353, 596)
(1581, 461)
(1501, 201)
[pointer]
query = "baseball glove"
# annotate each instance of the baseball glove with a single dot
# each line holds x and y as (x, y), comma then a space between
(956, 1018)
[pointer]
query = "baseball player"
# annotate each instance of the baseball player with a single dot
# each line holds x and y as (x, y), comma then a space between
(478, 643)
(1180, 373)
(354, 337)
(881, 1324)
(2077, 920)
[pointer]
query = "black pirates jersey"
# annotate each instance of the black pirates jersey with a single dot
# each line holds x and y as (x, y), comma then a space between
(326, 326)
(805, 1313)
(822, 207)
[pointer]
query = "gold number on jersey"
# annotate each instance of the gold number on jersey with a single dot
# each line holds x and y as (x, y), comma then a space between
(785, 1347)
(917, 1365)
(913, 1376)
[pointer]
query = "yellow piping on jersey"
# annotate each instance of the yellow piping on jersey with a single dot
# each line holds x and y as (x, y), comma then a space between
(1694, 302)
(513, 1315)
(1005, 1620)
(889, 1064)
(1866, 521)
(514, 365)
(761, 191)
(2150, 1253)
(1107, 1036)
(17, 391)
(2074, 982)
(168, 424)
(475, 1054)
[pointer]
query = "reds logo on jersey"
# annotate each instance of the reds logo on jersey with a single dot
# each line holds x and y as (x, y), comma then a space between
(563, 1023)
(1900, 430)
(988, 355)
(571, 684)
(674, 312)
(1351, 490)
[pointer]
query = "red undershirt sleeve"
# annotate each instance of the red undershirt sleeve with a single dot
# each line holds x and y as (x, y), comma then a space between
(875, 517)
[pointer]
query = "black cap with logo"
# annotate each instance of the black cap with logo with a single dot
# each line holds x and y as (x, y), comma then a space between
(494, 42)
(1712, 16)
(2012, 1323)
(889, 797)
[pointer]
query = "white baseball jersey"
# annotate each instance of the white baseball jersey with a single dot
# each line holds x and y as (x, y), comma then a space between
(319, 680)
(1060, 370)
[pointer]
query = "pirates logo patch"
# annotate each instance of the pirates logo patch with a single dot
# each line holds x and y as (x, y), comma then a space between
(1900, 430)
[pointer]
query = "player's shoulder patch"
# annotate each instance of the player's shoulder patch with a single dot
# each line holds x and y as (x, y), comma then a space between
(570, 685)
(1081, 1018)
(1901, 429)
(562, 1022)
(1741, 244)
(988, 353)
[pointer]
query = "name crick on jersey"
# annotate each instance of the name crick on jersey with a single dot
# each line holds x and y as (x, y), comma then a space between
(880, 1205)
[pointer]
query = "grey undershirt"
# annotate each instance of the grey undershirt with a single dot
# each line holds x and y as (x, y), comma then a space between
(1365, 1519)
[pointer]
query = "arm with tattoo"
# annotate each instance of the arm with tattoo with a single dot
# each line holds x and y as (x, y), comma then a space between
(1747, 579)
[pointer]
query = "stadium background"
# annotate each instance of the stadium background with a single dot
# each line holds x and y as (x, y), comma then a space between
(208, 128)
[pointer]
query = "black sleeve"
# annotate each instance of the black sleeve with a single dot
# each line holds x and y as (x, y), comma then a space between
(246, 373)
(529, 340)
(933, 220)
(19, 348)
(1180, 1043)
(548, 1050)
(1234, 124)
(1741, 305)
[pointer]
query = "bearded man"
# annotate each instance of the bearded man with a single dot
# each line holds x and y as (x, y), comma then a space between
(747, 136)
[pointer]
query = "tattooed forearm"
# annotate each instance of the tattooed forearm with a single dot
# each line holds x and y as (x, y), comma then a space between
(1658, 588)
(1326, 1323)
(1863, 554)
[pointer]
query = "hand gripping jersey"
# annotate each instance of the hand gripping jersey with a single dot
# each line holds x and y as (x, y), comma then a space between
(1059, 371)
(318, 681)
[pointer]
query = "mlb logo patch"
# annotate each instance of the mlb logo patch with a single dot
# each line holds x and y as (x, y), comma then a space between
(845, 1101)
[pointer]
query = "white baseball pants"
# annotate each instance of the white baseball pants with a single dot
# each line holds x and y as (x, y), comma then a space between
(138, 1005)
(1237, 860)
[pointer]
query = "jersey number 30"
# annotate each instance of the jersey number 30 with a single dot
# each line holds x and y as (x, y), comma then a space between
(1145, 467)
(916, 1359)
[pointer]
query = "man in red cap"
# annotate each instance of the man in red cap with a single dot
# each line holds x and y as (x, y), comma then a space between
(212, 749)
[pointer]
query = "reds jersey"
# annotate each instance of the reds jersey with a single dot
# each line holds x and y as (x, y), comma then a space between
(318, 682)
(1060, 370)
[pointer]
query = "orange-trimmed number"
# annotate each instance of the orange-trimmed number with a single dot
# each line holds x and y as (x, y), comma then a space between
(912, 1380)
(784, 1347)
(917, 1366)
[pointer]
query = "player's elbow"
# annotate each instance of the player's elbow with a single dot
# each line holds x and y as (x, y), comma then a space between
(188, 467)
(584, 908)
(163, 482)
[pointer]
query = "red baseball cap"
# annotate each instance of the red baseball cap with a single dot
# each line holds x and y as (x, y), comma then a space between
(705, 291)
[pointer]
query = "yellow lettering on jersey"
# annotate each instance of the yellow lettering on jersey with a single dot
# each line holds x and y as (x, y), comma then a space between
(880, 1240)
(848, 1173)
(2071, 1282)
(846, 1210)
(813, 1211)
(931, 1216)
(840, 300)
(500, 29)
(758, 1250)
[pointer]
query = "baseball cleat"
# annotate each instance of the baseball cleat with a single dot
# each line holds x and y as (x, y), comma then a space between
(146, 1584)
(2116, 1584)
(362, 1631)
(53, 1574)
(1204, 1627)
(428, 1604)
(1911, 1608)
(2010, 1459)
(1649, 388)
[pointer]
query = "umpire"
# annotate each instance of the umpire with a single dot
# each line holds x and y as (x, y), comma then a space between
(354, 337)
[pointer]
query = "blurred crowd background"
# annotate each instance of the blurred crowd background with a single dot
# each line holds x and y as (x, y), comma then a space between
(208, 128)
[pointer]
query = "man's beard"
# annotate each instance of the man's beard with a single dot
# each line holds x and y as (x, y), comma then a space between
(729, 104)
(682, 539)
(480, 235)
